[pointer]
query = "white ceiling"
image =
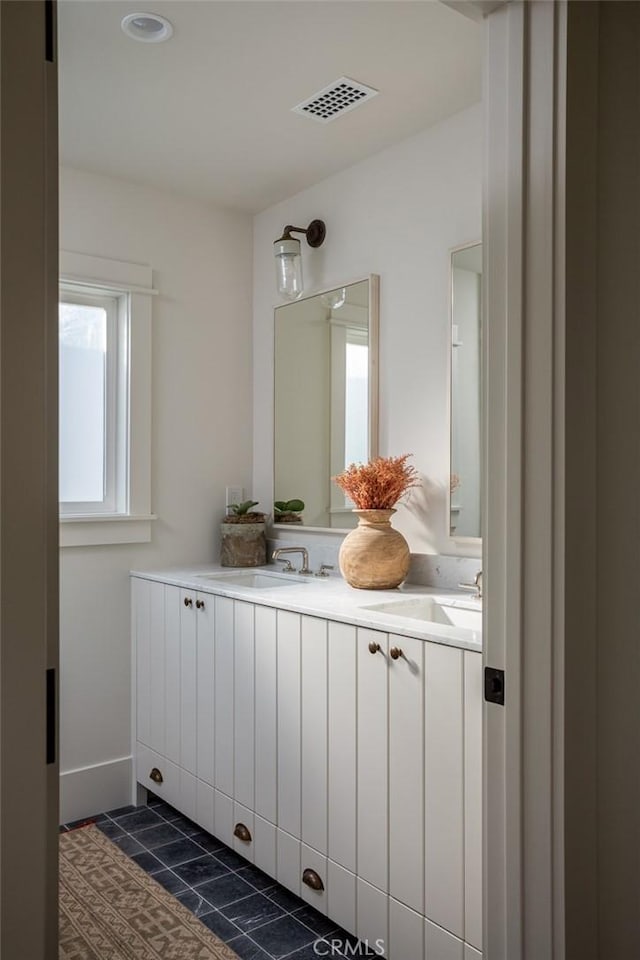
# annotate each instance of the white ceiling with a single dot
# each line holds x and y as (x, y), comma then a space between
(208, 113)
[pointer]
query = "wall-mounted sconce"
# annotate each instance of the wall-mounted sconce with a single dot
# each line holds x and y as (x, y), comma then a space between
(289, 258)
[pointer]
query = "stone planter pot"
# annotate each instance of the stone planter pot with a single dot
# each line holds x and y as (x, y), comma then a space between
(374, 556)
(243, 544)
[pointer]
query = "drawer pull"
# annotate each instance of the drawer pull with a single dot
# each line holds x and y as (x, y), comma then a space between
(242, 833)
(312, 879)
(374, 647)
(200, 604)
(395, 653)
(156, 776)
(188, 602)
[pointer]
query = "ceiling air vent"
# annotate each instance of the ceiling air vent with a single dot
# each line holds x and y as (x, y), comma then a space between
(334, 100)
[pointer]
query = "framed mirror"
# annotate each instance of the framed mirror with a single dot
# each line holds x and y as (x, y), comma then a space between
(466, 392)
(325, 397)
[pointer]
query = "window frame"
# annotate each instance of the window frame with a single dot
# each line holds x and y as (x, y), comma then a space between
(129, 517)
(116, 402)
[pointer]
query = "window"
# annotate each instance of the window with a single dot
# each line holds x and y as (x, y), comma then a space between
(94, 398)
(104, 450)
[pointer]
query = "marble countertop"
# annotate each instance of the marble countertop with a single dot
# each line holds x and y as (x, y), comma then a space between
(331, 598)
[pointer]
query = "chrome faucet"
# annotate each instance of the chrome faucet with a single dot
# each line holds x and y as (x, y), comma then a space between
(476, 585)
(288, 568)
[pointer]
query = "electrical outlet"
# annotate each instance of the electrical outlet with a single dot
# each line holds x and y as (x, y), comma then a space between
(233, 495)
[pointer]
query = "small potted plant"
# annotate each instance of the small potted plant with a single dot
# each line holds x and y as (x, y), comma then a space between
(243, 536)
(374, 556)
(288, 511)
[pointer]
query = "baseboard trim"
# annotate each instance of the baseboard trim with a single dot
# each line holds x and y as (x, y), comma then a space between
(95, 788)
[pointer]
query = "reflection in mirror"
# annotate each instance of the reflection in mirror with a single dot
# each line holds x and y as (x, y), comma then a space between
(325, 395)
(466, 391)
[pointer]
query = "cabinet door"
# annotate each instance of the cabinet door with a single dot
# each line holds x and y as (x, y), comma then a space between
(444, 780)
(205, 619)
(223, 684)
(289, 722)
(406, 772)
(373, 810)
(157, 668)
(342, 745)
(188, 681)
(243, 704)
(172, 608)
(473, 798)
(149, 626)
(141, 590)
(314, 733)
(265, 713)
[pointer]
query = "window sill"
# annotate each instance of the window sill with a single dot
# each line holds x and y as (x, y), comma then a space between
(92, 530)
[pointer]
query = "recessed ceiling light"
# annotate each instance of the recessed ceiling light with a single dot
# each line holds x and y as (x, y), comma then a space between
(146, 27)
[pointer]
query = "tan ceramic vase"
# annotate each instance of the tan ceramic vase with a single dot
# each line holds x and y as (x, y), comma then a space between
(374, 556)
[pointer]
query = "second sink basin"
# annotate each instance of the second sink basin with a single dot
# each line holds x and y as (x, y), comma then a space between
(433, 611)
(255, 581)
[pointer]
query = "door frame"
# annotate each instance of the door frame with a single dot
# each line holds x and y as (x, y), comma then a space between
(524, 478)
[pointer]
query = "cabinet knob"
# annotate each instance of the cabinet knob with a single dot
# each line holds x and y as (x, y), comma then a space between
(374, 647)
(395, 653)
(156, 776)
(200, 604)
(188, 602)
(242, 832)
(312, 879)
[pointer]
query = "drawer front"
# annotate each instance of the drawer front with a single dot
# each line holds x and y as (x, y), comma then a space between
(150, 766)
(406, 932)
(341, 896)
(243, 840)
(314, 879)
(288, 861)
(373, 917)
(188, 794)
(204, 806)
(440, 945)
(264, 841)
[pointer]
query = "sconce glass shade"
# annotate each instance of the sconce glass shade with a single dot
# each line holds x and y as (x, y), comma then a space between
(288, 267)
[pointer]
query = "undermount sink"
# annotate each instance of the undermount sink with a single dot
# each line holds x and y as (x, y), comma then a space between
(464, 615)
(256, 581)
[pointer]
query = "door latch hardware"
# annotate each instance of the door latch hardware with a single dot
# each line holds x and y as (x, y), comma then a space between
(494, 685)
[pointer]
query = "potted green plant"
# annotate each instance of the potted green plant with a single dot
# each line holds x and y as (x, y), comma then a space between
(243, 536)
(288, 511)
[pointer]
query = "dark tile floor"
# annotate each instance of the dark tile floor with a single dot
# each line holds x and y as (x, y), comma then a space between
(258, 918)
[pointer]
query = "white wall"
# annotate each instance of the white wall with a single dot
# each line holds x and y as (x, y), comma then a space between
(201, 440)
(396, 214)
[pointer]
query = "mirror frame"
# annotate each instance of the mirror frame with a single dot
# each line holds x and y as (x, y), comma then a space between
(458, 541)
(373, 280)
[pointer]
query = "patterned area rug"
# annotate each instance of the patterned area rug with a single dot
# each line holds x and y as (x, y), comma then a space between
(110, 909)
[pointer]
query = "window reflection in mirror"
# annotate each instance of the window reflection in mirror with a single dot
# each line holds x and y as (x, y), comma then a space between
(324, 388)
(466, 392)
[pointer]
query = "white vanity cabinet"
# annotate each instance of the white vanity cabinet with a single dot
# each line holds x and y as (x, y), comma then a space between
(344, 761)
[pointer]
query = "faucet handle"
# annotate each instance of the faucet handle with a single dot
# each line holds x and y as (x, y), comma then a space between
(287, 566)
(322, 572)
(476, 585)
